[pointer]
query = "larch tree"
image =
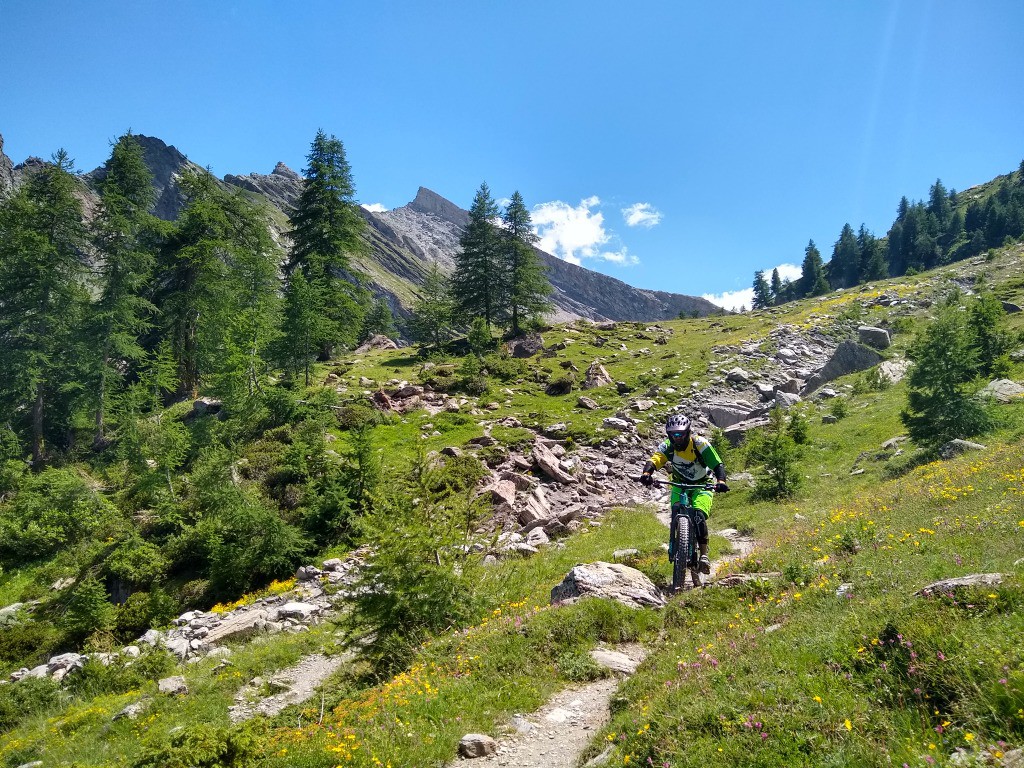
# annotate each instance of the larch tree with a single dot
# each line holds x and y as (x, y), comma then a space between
(42, 297)
(433, 311)
(478, 283)
(327, 229)
(527, 286)
(124, 235)
(762, 291)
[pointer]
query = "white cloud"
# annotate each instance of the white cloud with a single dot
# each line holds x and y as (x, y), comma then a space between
(641, 215)
(375, 207)
(732, 300)
(577, 232)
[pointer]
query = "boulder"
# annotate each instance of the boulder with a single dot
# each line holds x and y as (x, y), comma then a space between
(724, 415)
(299, 611)
(849, 357)
(738, 376)
(893, 371)
(586, 402)
(615, 661)
(736, 432)
(474, 745)
(1002, 390)
(785, 400)
(612, 581)
(620, 425)
(874, 337)
(173, 686)
(527, 346)
(596, 376)
(501, 492)
(960, 582)
(9, 615)
(547, 462)
(378, 341)
(956, 447)
(1010, 308)
(537, 538)
(535, 507)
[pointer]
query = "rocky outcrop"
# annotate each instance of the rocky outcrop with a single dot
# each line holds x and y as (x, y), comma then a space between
(6, 172)
(849, 357)
(1002, 391)
(961, 582)
(873, 337)
(281, 187)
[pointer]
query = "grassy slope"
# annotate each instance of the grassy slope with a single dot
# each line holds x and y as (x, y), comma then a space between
(874, 678)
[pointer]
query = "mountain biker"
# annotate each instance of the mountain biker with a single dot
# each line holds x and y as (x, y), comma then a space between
(691, 458)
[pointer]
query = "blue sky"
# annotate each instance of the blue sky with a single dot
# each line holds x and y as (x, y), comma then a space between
(674, 145)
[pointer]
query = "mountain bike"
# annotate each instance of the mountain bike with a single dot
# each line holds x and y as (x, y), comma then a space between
(683, 550)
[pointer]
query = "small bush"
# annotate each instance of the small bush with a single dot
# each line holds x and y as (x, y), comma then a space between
(33, 696)
(839, 408)
(579, 667)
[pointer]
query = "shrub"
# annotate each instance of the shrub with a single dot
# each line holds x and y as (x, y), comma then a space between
(201, 745)
(33, 696)
(778, 452)
(839, 408)
(87, 609)
(798, 428)
(27, 643)
(54, 510)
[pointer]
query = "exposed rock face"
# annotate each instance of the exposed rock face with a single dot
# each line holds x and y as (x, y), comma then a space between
(1003, 390)
(849, 357)
(961, 582)
(6, 172)
(282, 186)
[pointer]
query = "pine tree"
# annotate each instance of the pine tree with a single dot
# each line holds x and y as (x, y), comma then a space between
(777, 289)
(527, 285)
(41, 298)
(432, 314)
(217, 288)
(327, 229)
(872, 259)
(378, 320)
(301, 332)
(124, 235)
(762, 291)
(844, 267)
(812, 273)
(478, 282)
(938, 203)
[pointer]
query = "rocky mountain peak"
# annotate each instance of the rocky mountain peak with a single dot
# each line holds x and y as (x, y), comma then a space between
(166, 163)
(282, 186)
(428, 201)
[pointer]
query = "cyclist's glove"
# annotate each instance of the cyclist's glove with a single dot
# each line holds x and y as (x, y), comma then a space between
(646, 478)
(721, 487)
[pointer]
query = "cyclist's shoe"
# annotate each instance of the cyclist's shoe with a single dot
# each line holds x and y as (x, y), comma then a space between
(704, 566)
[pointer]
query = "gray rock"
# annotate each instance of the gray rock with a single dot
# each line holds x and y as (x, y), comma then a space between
(790, 385)
(849, 357)
(1010, 308)
(951, 585)
(956, 447)
(297, 610)
(9, 615)
(1002, 390)
(596, 376)
(624, 554)
(874, 337)
(736, 432)
(547, 462)
(527, 346)
(785, 400)
(132, 711)
(621, 425)
(893, 371)
(521, 549)
(612, 581)
(378, 341)
(501, 492)
(534, 507)
(615, 661)
(537, 538)
(586, 402)
(725, 415)
(174, 686)
(738, 376)
(307, 573)
(474, 745)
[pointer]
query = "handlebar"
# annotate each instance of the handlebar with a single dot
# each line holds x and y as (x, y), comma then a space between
(711, 487)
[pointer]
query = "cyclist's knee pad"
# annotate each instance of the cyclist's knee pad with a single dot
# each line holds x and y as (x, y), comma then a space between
(702, 525)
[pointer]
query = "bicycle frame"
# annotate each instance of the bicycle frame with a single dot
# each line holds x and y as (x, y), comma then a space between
(683, 514)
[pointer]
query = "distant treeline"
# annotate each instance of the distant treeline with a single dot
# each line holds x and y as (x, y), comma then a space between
(948, 227)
